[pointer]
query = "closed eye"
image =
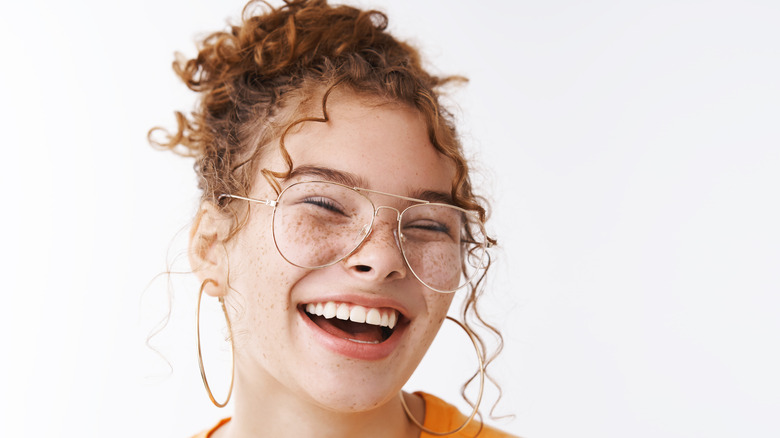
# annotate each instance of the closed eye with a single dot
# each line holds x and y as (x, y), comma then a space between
(324, 203)
(428, 225)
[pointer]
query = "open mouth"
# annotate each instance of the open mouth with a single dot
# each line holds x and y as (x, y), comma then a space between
(354, 323)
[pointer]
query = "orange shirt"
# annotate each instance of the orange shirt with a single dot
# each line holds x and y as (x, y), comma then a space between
(439, 416)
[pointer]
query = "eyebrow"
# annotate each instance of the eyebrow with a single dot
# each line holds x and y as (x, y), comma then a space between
(328, 174)
(352, 180)
(433, 196)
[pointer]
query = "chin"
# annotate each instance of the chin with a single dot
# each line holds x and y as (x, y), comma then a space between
(348, 400)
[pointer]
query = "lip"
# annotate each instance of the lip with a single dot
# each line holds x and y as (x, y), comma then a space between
(356, 350)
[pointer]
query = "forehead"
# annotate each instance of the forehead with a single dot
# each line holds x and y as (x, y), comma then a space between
(384, 144)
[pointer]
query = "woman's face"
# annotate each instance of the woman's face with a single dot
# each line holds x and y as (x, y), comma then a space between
(279, 346)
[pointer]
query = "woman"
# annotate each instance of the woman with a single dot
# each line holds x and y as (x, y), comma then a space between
(337, 219)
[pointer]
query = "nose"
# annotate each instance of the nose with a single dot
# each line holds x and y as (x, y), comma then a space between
(379, 257)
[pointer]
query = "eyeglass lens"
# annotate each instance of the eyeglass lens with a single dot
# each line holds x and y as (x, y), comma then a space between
(317, 224)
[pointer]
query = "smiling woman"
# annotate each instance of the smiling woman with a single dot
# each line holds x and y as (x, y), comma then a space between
(337, 221)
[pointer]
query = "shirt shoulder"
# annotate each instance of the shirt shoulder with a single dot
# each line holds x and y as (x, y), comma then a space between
(441, 416)
(207, 433)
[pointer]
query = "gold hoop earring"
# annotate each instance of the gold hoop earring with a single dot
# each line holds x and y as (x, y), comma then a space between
(200, 355)
(481, 360)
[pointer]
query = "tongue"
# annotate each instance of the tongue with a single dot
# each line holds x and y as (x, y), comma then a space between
(350, 330)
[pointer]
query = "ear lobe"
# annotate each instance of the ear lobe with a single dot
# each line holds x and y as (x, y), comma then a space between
(207, 253)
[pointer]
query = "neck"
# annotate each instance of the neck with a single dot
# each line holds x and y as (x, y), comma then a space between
(263, 407)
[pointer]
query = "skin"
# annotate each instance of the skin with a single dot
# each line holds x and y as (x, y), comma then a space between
(287, 382)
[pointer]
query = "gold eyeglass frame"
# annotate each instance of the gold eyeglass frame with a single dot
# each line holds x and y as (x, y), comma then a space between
(367, 230)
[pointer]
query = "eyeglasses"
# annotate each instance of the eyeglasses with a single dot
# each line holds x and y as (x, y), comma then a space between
(319, 223)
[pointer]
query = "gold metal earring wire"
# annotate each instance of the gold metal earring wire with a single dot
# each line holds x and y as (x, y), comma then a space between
(479, 397)
(200, 354)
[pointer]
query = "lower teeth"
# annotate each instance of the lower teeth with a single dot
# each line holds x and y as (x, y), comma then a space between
(362, 342)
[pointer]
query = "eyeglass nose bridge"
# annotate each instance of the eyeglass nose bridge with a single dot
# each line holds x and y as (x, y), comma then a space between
(367, 229)
(397, 211)
(397, 229)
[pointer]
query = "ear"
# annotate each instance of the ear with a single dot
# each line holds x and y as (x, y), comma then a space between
(207, 251)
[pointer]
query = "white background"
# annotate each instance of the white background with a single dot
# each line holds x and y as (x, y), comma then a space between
(631, 151)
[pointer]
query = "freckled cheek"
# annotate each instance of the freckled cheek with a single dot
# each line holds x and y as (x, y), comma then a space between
(262, 318)
(312, 241)
(255, 254)
(261, 282)
(438, 304)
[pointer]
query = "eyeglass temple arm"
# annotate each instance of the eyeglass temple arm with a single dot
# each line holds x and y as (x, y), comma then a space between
(268, 202)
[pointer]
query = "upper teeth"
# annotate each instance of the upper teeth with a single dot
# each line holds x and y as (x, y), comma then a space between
(369, 315)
